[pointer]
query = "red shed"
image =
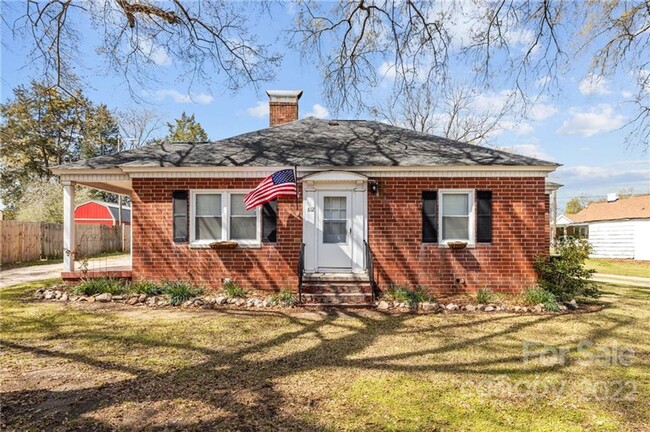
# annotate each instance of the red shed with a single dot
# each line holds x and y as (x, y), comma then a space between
(101, 213)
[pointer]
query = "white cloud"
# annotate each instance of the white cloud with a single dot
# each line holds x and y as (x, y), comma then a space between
(155, 53)
(627, 94)
(259, 110)
(518, 127)
(598, 119)
(542, 111)
(532, 150)
(594, 84)
(600, 180)
(318, 111)
(180, 98)
(387, 70)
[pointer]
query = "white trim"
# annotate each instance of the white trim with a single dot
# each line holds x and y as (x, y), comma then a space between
(225, 218)
(335, 176)
(471, 242)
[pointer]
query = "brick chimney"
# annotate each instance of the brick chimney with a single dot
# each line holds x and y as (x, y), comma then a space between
(283, 106)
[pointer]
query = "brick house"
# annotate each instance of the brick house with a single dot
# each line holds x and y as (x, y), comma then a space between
(376, 205)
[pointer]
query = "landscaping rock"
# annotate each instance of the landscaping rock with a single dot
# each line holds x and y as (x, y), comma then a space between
(142, 298)
(133, 301)
(57, 294)
(240, 302)
(198, 302)
(162, 302)
(267, 303)
(470, 308)
(383, 305)
(573, 305)
(90, 299)
(49, 295)
(233, 300)
(188, 303)
(428, 307)
(104, 298)
(538, 308)
(64, 297)
(517, 309)
(220, 300)
(489, 309)
(118, 297)
(563, 308)
(451, 307)
(251, 302)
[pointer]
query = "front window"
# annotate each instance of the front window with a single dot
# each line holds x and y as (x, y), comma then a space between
(221, 215)
(457, 214)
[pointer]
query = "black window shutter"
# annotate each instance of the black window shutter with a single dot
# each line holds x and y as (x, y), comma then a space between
(270, 221)
(484, 217)
(429, 217)
(180, 210)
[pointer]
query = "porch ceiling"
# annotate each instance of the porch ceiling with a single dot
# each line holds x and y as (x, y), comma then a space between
(122, 187)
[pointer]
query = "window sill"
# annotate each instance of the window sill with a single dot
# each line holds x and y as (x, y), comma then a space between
(446, 246)
(202, 245)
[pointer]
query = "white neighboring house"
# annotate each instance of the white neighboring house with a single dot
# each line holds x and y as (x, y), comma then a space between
(615, 229)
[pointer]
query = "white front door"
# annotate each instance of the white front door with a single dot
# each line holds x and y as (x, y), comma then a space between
(334, 231)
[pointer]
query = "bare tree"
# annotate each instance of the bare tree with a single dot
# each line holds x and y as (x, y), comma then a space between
(138, 126)
(502, 43)
(452, 111)
(202, 38)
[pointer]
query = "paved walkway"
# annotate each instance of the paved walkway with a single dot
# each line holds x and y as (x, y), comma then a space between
(622, 280)
(49, 271)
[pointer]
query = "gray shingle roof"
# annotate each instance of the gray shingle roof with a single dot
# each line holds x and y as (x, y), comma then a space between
(315, 142)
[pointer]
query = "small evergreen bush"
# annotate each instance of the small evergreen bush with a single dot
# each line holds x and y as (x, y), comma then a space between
(178, 292)
(232, 290)
(565, 275)
(284, 298)
(89, 287)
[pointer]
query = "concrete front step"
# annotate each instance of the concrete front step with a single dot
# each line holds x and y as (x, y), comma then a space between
(338, 299)
(335, 277)
(337, 288)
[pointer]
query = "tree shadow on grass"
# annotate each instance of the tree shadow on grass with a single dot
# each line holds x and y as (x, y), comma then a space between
(242, 385)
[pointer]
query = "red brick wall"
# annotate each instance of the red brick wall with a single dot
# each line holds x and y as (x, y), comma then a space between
(520, 231)
(157, 257)
(282, 112)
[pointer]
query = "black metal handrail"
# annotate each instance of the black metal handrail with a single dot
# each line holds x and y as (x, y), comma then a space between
(301, 270)
(371, 269)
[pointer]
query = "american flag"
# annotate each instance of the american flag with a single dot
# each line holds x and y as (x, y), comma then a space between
(280, 183)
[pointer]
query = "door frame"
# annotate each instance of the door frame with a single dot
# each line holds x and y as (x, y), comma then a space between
(314, 184)
(320, 223)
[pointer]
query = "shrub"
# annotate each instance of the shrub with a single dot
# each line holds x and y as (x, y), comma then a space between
(404, 294)
(537, 295)
(232, 290)
(180, 291)
(565, 275)
(485, 295)
(90, 287)
(145, 287)
(285, 298)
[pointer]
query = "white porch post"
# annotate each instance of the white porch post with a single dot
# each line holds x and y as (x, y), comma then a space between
(68, 226)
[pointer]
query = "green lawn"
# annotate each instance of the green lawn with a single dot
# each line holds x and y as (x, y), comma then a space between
(619, 267)
(103, 367)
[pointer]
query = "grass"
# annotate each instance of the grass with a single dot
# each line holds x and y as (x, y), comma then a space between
(485, 295)
(536, 295)
(405, 294)
(57, 260)
(82, 366)
(180, 291)
(90, 287)
(285, 298)
(619, 267)
(232, 290)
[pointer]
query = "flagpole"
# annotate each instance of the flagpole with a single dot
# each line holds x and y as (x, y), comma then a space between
(295, 177)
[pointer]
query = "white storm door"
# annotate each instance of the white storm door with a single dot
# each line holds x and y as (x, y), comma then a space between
(334, 231)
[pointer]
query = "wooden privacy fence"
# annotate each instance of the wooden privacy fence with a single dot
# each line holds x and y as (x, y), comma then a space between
(28, 241)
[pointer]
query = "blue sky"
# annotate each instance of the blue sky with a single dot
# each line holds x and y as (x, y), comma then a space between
(577, 126)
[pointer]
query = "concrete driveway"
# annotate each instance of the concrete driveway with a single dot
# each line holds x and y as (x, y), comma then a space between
(49, 271)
